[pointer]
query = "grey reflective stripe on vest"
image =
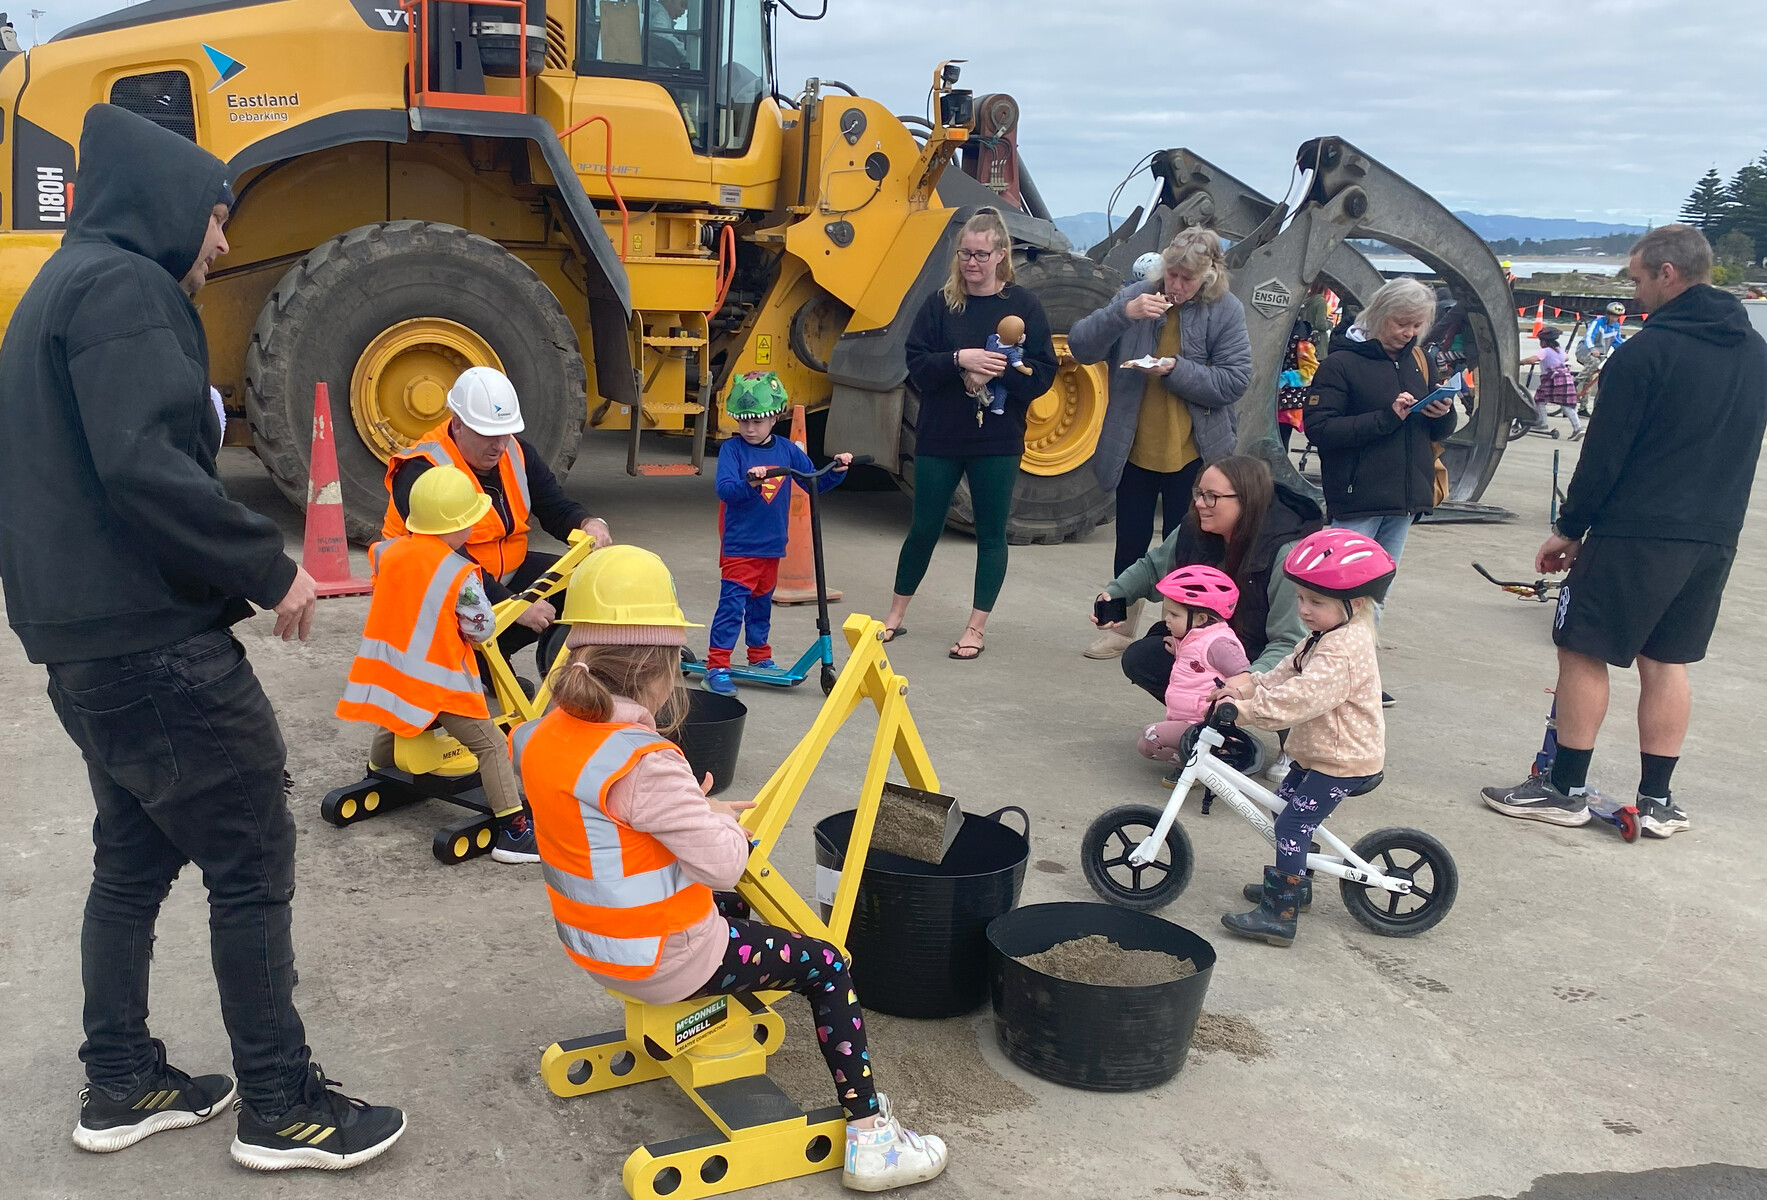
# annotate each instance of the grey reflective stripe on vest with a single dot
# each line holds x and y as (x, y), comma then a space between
(605, 856)
(519, 461)
(379, 697)
(631, 891)
(518, 741)
(620, 952)
(436, 452)
(411, 660)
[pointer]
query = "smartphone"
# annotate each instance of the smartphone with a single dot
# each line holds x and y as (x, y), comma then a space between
(1110, 611)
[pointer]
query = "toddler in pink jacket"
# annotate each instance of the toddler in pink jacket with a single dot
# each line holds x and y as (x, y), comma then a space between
(1199, 603)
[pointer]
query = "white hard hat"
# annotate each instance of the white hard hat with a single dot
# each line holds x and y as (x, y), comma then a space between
(1148, 264)
(485, 401)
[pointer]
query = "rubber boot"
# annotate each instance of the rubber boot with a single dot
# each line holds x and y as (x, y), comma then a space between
(1274, 918)
(1110, 643)
(1255, 893)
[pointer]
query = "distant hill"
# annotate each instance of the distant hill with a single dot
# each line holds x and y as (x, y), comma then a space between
(1495, 227)
(1089, 228)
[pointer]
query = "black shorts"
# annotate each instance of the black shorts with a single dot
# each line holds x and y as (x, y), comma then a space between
(1655, 597)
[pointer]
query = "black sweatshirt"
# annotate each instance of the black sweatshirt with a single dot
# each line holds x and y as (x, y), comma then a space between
(1372, 461)
(549, 507)
(1671, 449)
(946, 427)
(115, 534)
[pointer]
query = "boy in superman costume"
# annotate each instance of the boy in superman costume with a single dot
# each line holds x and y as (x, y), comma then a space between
(753, 518)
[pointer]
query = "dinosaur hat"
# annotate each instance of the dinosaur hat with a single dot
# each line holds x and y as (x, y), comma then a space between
(756, 394)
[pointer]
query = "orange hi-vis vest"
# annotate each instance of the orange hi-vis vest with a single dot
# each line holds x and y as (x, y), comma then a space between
(617, 894)
(413, 662)
(493, 547)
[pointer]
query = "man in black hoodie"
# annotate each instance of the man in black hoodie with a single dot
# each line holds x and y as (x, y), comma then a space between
(125, 565)
(1649, 524)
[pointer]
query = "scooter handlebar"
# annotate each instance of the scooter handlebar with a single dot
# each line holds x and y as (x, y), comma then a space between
(859, 460)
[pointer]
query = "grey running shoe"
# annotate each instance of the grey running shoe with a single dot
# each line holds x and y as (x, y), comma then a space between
(1660, 818)
(1537, 800)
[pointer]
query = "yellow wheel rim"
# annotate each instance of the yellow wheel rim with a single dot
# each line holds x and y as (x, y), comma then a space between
(399, 390)
(347, 809)
(1062, 426)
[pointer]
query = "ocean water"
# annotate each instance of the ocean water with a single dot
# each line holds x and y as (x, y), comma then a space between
(1522, 268)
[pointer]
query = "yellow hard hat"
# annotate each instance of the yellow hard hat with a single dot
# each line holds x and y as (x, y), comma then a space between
(623, 585)
(445, 500)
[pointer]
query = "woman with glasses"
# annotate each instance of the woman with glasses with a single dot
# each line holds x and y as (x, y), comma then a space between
(1164, 422)
(1242, 523)
(956, 435)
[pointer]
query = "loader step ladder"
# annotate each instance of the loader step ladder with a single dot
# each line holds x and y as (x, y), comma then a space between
(687, 343)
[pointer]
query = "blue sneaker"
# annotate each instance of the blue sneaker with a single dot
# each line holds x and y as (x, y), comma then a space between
(766, 664)
(718, 682)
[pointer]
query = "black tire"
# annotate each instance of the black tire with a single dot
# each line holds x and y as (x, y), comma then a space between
(1413, 854)
(324, 312)
(1046, 509)
(1107, 844)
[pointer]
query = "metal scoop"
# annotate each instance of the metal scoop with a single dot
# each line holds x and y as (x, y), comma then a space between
(916, 824)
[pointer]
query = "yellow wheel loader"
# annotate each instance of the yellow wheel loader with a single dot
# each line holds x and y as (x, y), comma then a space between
(610, 200)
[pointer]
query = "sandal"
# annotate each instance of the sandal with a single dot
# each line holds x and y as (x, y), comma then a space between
(890, 635)
(957, 651)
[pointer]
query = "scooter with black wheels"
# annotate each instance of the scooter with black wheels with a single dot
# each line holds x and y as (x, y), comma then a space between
(1395, 882)
(822, 650)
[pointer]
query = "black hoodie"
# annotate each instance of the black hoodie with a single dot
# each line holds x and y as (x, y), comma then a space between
(115, 534)
(1671, 449)
(1372, 462)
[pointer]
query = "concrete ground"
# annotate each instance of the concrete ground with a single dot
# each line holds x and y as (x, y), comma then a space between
(1589, 1007)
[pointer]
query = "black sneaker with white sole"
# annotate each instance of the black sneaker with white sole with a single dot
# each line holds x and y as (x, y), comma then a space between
(1660, 818)
(166, 1099)
(515, 840)
(1386, 700)
(327, 1131)
(1538, 800)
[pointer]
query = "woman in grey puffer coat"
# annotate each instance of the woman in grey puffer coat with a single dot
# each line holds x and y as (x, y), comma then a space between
(1161, 427)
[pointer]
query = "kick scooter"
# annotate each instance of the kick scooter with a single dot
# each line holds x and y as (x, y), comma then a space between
(822, 650)
(1396, 882)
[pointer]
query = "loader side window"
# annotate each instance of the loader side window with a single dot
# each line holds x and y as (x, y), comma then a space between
(742, 74)
(664, 41)
(163, 97)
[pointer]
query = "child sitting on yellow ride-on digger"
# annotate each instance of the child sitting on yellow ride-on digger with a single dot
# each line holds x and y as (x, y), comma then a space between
(416, 664)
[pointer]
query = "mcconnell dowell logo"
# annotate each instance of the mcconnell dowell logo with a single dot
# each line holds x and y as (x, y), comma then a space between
(226, 66)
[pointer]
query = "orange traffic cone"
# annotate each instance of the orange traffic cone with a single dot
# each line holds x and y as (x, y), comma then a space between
(1539, 319)
(797, 574)
(325, 553)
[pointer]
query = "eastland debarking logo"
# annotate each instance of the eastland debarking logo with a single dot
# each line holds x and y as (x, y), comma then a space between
(253, 108)
(226, 66)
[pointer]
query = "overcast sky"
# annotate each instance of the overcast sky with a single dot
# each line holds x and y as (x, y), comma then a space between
(1605, 110)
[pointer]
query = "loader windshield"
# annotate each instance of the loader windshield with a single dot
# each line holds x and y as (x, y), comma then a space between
(709, 55)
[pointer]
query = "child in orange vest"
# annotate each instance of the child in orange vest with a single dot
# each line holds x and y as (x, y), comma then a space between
(639, 860)
(416, 663)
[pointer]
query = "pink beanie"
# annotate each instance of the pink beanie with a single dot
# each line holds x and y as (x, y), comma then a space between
(584, 633)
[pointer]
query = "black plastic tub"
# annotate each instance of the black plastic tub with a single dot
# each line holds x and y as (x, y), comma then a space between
(1104, 1039)
(919, 937)
(711, 736)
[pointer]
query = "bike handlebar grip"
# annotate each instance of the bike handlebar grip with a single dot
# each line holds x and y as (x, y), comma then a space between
(1226, 713)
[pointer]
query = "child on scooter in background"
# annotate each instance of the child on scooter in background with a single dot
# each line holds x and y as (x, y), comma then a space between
(634, 850)
(416, 663)
(753, 528)
(1327, 695)
(1199, 601)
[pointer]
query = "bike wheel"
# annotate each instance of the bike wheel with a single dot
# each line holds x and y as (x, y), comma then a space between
(1406, 854)
(1104, 857)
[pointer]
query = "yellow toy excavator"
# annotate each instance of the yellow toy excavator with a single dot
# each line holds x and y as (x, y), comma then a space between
(716, 1048)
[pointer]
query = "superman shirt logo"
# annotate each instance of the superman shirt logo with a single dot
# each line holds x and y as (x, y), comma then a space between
(770, 488)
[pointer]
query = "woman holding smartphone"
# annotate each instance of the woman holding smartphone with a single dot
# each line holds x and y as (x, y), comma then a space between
(1365, 413)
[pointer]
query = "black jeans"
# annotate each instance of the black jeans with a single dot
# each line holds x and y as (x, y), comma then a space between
(185, 760)
(1137, 492)
(1148, 664)
(536, 564)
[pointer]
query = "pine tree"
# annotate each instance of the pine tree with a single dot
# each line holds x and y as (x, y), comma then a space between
(1746, 197)
(1707, 207)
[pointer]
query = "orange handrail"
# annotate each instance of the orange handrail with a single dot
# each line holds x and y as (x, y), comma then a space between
(608, 166)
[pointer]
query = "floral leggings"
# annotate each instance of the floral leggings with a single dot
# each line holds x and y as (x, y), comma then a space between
(762, 957)
(1312, 796)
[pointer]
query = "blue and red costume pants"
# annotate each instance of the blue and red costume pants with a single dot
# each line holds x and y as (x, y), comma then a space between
(744, 598)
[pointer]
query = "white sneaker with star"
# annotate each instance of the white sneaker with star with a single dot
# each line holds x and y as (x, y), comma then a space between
(890, 1156)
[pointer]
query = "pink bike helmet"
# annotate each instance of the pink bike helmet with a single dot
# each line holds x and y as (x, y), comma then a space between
(1341, 563)
(1201, 587)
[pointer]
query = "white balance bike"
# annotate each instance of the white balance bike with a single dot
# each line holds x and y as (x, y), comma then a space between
(1397, 882)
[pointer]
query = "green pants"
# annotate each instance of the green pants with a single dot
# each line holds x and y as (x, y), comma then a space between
(990, 492)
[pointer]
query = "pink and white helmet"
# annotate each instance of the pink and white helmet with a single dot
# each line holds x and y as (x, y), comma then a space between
(1341, 563)
(1201, 587)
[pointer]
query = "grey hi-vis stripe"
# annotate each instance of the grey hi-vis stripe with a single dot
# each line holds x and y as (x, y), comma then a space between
(411, 660)
(438, 454)
(610, 887)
